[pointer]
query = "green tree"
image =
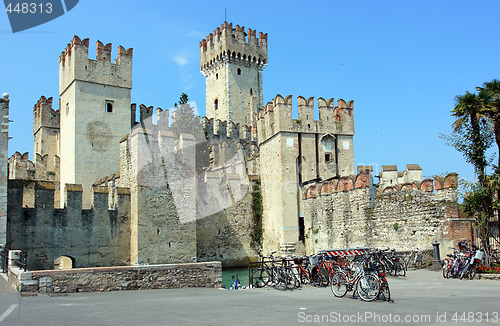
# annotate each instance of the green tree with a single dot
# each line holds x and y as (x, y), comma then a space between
(490, 93)
(186, 122)
(472, 136)
(469, 125)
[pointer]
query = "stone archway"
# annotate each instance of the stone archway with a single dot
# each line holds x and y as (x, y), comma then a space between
(63, 262)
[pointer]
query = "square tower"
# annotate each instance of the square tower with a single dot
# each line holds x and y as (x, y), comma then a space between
(95, 112)
(45, 129)
(232, 62)
(296, 152)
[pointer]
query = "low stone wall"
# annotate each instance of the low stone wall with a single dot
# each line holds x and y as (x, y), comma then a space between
(484, 276)
(208, 274)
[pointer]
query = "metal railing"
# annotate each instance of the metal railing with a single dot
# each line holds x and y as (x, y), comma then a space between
(22, 262)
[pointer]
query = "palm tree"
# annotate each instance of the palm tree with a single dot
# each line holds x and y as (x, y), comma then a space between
(490, 92)
(470, 112)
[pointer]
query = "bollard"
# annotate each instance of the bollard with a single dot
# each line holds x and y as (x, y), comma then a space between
(436, 259)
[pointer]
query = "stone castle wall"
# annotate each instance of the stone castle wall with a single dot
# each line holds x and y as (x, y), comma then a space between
(4, 173)
(295, 151)
(119, 278)
(160, 172)
(346, 215)
(91, 237)
(227, 235)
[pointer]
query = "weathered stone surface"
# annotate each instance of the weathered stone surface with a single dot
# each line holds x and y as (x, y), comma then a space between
(4, 142)
(226, 235)
(208, 274)
(95, 237)
(404, 218)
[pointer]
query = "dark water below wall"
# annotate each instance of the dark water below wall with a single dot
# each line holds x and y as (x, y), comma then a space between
(227, 274)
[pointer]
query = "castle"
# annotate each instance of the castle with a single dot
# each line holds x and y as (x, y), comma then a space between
(104, 189)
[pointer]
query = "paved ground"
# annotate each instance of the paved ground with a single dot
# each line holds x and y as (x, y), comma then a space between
(423, 296)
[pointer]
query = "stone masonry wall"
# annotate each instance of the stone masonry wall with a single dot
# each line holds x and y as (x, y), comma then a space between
(160, 172)
(227, 235)
(404, 219)
(94, 237)
(170, 276)
(4, 142)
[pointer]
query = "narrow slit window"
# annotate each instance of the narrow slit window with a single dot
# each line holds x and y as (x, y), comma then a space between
(302, 233)
(216, 104)
(109, 106)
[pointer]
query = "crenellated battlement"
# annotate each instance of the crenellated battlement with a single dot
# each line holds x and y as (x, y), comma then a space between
(218, 130)
(20, 167)
(228, 44)
(225, 138)
(146, 116)
(276, 116)
(103, 52)
(44, 194)
(75, 64)
(363, 180)
(44, 115)
(390, 177)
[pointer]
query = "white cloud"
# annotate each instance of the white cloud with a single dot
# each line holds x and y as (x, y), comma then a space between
(195, 34)
(181, 60)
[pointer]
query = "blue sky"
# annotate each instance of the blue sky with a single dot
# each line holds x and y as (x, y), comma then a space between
(402, 62)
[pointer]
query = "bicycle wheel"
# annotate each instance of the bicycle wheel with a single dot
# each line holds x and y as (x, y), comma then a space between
(368, 287)
(290, 280)
(296, 278)
(338, 284)
(260, 278)
(385, 293)
(400, 270)
(472, 272)
(304, 276)
(445, 268)
(281, 280)
(325, 280)
(316, 277)
(464, 271)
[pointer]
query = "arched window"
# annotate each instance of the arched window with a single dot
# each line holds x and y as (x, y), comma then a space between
(109, 107)
(216, 104)
(239, 72)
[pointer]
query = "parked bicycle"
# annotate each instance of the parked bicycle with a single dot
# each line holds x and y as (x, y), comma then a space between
(354, 278)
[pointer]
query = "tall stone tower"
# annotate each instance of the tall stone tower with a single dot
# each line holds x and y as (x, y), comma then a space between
(4, 142)
(294, 152)
(95, 112)
(45, 129)
(232, 62)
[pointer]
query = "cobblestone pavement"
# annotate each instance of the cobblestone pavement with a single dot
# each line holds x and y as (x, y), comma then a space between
(421, 298)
